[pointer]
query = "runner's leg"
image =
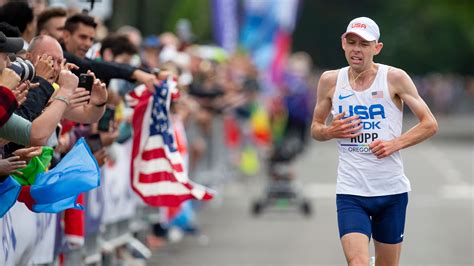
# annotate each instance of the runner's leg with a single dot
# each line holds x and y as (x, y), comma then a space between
(356, 249)
(388, 226)
(387, 254)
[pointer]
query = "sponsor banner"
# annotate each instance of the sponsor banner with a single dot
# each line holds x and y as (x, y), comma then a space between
(8, 241)
(27, 237)
(119, 198)
(95, 204)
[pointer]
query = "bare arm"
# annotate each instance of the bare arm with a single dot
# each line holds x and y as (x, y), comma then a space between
(401, 85)
(338, 128)
(45, 124)
(406, 90)
(88, 113)
(93, 111)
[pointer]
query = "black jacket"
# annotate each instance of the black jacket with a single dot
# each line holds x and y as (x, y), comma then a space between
(102, 70)
(36, 100)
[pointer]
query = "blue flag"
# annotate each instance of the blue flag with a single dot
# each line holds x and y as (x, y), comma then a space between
(9, 190)
(58, 189)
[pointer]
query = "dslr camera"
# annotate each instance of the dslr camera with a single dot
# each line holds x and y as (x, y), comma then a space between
(23, 68)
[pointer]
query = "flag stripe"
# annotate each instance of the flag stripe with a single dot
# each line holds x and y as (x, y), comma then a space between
(159, 164)
(155, 143)
(156, 177)
(168, 200)
(163, 188)
(160, 153)
(157, 171)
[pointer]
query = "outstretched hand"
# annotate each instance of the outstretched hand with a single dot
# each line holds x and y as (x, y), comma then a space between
(26, 154)
(11, 165)
(21, 91)
(80, 97)
(67, 81)
(146, 78)
(99, 90)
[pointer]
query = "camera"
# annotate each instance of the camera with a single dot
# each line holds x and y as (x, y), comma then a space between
(105, 120)
(86, 81)
(23, 68)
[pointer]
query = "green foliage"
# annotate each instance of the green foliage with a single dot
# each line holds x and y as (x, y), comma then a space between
(158, 16)
(197, 11)
(419, 36)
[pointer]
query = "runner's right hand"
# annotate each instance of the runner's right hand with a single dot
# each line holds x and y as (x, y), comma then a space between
(342, 128)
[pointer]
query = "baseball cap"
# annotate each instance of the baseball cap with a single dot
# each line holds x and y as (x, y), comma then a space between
(365, 28)
(151, 41)
(10, 45)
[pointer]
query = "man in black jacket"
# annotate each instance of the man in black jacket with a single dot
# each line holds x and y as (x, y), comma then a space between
(78, 36)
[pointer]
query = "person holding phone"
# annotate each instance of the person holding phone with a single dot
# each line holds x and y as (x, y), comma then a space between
(47, 56)
(82, 106)
(19, 130)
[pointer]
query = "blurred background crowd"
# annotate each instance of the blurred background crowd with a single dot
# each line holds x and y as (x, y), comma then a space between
(247, 74)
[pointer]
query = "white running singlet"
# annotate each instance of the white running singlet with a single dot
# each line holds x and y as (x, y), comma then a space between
(360, 172)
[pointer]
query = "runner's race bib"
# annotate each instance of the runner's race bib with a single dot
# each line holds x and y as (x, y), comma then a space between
(372, 129)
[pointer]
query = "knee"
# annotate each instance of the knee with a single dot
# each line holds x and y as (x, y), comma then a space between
(358, 261)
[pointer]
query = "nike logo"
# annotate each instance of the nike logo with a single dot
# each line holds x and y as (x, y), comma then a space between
(343, 97)
(401, 236)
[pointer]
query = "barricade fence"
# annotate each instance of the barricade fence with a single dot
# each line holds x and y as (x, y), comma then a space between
(116, 220)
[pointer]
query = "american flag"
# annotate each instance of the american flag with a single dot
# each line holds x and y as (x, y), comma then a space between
(157, 171)
(377, 94)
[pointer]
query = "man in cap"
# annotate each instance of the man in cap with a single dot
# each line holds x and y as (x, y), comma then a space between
(8, 78)
(366, 101)
(16, 128)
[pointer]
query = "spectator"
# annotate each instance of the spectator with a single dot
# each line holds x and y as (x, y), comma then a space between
(19, 14)
(51, 22)
(22, 131)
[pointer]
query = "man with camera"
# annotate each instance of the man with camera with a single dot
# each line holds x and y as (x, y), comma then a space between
(47, 52)
(18, 129)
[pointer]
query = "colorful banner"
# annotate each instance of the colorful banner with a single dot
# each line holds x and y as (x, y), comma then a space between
(225, 24)
(266, 35)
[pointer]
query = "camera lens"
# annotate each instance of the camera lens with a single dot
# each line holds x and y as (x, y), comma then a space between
(23, 68)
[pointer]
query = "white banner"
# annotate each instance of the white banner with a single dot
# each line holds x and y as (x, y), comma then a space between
(27, 237)
(120, 200)
(8, 238)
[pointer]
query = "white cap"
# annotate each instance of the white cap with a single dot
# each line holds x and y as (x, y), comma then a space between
(365, 28)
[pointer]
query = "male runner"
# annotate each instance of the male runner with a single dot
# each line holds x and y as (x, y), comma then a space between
(366, 100)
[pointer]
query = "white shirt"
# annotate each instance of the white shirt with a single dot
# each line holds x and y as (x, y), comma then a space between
(360, 172)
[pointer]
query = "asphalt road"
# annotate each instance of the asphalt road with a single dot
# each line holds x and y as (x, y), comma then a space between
(439, 227)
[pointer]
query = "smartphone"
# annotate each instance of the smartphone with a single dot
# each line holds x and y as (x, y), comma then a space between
(86, 81)
(105, 120)
(94, 142)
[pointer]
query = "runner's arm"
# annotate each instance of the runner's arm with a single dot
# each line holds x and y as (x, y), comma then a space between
(405, 88)
(339, 128)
